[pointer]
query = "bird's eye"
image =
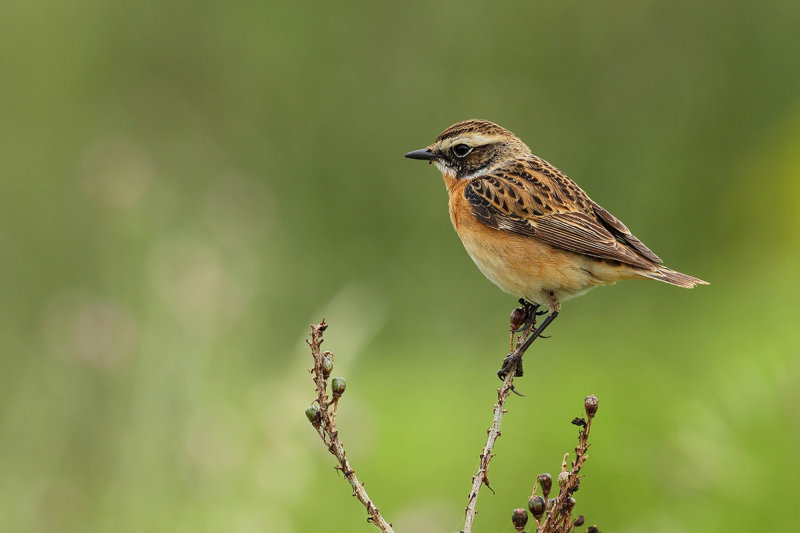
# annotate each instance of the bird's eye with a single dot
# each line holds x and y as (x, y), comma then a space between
(460, 150)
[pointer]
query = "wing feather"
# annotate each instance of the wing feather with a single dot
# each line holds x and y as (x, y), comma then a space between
(537, 200)
(621, 230)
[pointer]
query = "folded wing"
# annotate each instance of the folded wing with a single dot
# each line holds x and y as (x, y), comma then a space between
(546, 205)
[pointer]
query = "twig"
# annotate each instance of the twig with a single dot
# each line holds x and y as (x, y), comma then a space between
(558, 519)
(481, 477)
(323, 420)
(560, 513)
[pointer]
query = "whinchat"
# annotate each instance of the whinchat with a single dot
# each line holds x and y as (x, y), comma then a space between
(530, 229)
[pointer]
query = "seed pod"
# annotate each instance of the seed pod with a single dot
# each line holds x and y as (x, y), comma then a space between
(578, 522)
(519, 518)
(546, 482)
(311, 413)
(562, 478)
(590, 404)
(518, 317)
(537, 506)
(327, 366)
(337, 387)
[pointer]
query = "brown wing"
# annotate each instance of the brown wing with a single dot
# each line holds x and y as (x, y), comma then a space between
(621, 231)
(535, 199)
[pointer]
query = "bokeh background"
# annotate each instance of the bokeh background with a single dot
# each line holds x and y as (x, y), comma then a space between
(187, 185)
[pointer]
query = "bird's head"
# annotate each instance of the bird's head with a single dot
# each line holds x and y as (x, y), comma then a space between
(471, 148)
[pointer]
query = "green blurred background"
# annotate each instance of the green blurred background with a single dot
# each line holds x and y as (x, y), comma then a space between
(187, 185)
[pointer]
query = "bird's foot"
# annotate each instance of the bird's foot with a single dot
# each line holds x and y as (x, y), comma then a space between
(512, 362)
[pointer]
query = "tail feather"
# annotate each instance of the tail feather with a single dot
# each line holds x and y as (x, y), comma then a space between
(673, 277)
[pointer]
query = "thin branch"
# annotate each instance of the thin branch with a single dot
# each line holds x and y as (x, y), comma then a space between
(559, 516)
(482, 476)
(558, 519)
(323, 419)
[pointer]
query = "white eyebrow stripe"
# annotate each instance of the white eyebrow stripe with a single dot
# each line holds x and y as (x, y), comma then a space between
(471, 139)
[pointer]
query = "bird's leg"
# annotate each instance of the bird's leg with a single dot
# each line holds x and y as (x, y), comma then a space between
(514, 359)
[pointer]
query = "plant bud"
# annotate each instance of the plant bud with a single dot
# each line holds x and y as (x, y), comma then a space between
(311, 413)
(569, 504)
(518, 317)
(590, 404)
(546, 482)
(537, 506)
(562, 478)
(592, 529)
(578, 522)
(327, 366)
(519, 518)
(337, 387)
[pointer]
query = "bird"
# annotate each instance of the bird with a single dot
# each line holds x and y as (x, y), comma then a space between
(529, 228)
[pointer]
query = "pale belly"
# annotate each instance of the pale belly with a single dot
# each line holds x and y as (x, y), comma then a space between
(527, 268)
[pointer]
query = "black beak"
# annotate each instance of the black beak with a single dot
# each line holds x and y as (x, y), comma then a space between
(424, 153)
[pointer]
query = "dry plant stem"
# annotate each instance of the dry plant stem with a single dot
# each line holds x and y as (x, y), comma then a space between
(481, 477)
(325, 424)
(559, 518)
